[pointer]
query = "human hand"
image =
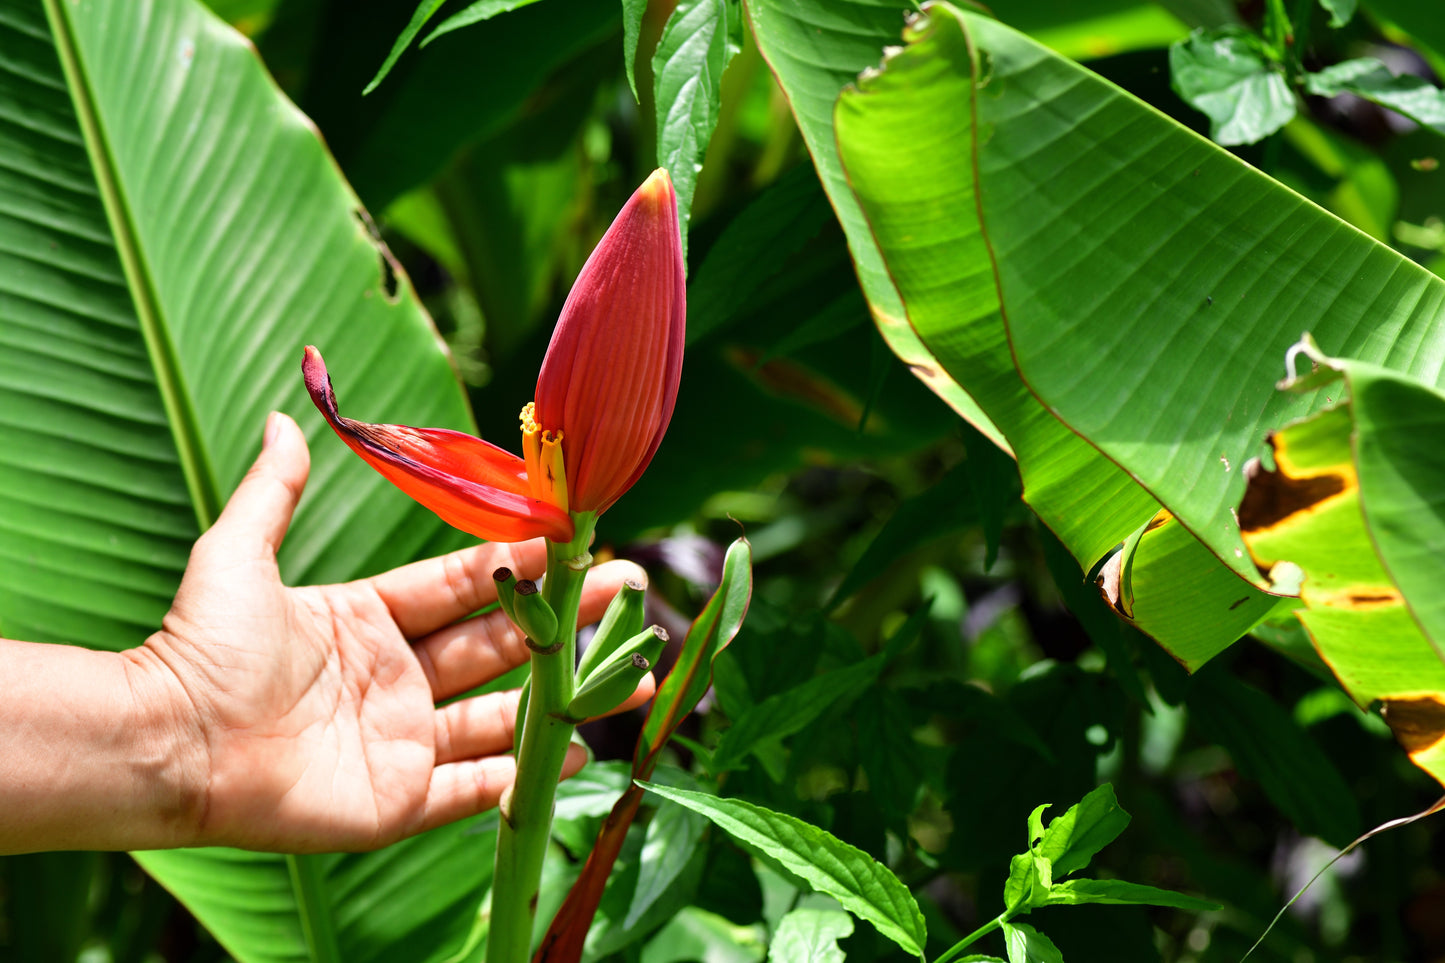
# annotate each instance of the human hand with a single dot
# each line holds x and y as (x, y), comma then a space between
(307, 716)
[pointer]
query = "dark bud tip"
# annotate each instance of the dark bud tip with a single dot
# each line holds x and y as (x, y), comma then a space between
(526, 587)
(639, 661)
(502, 574)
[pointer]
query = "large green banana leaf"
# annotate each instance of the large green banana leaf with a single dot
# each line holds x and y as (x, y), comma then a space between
(172, 232)
(1115, 292)
(814, 48)
(1355, 505)
(1089, 502)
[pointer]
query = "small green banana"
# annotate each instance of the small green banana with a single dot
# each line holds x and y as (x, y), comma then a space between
(533, 615)
(506, 590)
(624, 619)
(609, 685)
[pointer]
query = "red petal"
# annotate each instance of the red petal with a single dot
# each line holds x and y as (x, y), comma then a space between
(471, 484)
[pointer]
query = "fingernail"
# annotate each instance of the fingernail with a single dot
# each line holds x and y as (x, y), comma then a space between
(273, 427)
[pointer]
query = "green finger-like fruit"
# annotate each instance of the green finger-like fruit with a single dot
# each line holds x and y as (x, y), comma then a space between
(533, 615)
(611, 683)
(624, 619)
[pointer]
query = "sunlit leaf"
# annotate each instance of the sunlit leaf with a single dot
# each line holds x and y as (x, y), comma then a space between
(1072, 839)
(815, 51)
(1027, 945)
(860, 883)
(1357, 506)
(424, 12)
(1228, 75)
(807, 935)
(1406, 94)
(697, 43)
(1074, 892)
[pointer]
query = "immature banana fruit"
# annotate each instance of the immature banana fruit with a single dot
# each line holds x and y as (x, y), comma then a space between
(609, 685)
(624, 619)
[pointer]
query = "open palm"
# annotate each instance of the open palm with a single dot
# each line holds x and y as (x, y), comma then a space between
(312, 710)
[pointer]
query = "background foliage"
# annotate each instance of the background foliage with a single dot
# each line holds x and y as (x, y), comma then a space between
(972, 254)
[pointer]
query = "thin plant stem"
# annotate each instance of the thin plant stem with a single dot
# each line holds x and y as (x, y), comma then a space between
(526, 809)
(970, 939)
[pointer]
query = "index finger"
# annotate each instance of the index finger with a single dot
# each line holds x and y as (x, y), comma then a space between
(427, 595)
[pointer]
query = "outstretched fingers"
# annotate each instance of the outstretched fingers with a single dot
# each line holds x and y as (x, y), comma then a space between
(427, 595)
(462, 789)
(262, 505)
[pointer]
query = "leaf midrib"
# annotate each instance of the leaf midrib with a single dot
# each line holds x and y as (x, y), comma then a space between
(195, 464)
(308, 882)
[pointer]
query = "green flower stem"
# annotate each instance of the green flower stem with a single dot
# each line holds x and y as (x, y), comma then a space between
(526, 825)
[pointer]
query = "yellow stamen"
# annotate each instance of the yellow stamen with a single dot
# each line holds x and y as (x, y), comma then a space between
(542, 453)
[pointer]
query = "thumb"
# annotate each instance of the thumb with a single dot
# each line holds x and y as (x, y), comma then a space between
(263, 503)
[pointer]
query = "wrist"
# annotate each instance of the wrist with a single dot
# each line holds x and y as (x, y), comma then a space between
(169, 756)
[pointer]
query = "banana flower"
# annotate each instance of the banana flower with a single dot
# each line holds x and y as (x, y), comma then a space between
(604, 396)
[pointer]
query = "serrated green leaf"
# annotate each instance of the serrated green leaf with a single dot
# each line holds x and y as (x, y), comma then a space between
(1029, 880)
(632, 11)
(1226, 74)
(1074, 892)
(1027, 945)
(424, 12)
(672, 837)
(696, 46)
(860, 883)
(808, 935)
(1072, 839)
(1414, 97)
(475, 13)
(1036, 824)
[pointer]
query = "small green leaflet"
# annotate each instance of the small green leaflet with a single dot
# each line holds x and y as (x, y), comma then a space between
(1027, 945)
(632, 11)
(1227, 74)
(481, 10)
(864, 887)
(700, 40)
(810, 936)
(1340, 11)
(1414, 97)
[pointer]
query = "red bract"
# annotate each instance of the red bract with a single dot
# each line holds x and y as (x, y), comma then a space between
(609, 381)
(604, 396)
(472, 485)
